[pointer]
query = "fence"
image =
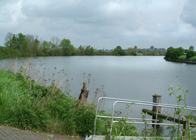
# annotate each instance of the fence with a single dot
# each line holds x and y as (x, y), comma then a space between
(156, 107)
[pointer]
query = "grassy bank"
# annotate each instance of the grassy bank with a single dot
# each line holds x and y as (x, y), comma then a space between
(184, 59)
(26, 104)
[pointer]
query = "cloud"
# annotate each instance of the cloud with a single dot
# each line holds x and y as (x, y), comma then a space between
(101, 22)
(189, 13)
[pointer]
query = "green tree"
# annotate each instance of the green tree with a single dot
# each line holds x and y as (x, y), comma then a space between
(36, 47)
(130, 51)
(81, 50)
(169, 53)
(190, 54)
(21, 42)
(13, 44)
(89, 50)
(45, 47)
(119, 51)
(67, 47)
(135, 50)
(174, 53)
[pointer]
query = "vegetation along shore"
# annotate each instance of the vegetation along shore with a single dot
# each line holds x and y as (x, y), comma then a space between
(26, 104)
(181, 55)
(27, 45)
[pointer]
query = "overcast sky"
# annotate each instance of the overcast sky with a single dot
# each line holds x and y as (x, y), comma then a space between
(103, 23)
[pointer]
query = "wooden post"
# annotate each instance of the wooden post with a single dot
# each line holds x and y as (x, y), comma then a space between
(83, 94)
(156, 99)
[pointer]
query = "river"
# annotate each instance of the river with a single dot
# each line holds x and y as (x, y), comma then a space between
(129, 77)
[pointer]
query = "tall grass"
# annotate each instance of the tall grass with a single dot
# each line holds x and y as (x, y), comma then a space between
(28, 105)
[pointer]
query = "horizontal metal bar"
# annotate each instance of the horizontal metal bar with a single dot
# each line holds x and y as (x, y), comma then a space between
(127, 118)
(161, 104)
(149, 104)
(137, 102)
(169, 124)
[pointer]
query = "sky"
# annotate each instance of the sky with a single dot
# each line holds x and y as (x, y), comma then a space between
(103, 24)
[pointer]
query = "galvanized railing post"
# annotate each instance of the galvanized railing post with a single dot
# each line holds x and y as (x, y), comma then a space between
(136, 102)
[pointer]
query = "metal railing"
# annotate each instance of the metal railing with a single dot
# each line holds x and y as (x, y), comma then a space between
(136, 102)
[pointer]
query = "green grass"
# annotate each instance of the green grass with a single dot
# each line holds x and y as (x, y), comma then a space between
(27, 105)
(192, 58)
(182, 57)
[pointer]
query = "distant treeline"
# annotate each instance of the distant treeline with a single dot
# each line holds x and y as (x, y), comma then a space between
(180, 53)
(28, 45)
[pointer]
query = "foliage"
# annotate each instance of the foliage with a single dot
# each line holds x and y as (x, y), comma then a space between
(193, 58)
(119, 51)
(28, 105)
(174, 53)
(190, 54)
(89, 50)
(20, 45)
(182, 110)
(122, 128)
(180, 53)
(182, 57)
(67, 47)
(131, 51)
(9, 52)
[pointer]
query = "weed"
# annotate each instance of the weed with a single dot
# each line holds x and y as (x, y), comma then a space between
(182, 110)
(26, 104)
(122, 128)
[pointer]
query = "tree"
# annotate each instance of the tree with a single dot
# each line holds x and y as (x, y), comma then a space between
(191, 48)
(119, 51)
(81, 50)
(174, 53)
(169, 53)
(13, 43)
(36, 46)
(22, 43)
(190, 54)
(130, 51)
(45, 47)
(89, 50)
(67, 47)
(135, 50)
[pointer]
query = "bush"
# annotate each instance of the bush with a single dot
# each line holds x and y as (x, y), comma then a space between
(190, 54)
(193, 58)
(174, 53)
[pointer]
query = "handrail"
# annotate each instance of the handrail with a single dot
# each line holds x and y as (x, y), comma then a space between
(137, 102)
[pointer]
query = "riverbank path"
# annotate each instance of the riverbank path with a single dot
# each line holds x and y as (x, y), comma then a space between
(10, 133)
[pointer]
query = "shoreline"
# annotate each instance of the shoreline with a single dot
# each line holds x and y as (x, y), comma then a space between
(181, 61)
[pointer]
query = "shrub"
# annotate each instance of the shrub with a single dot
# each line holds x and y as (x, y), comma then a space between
(190, 54)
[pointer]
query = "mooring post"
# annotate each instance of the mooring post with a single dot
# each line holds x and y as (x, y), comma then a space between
(157, 100)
